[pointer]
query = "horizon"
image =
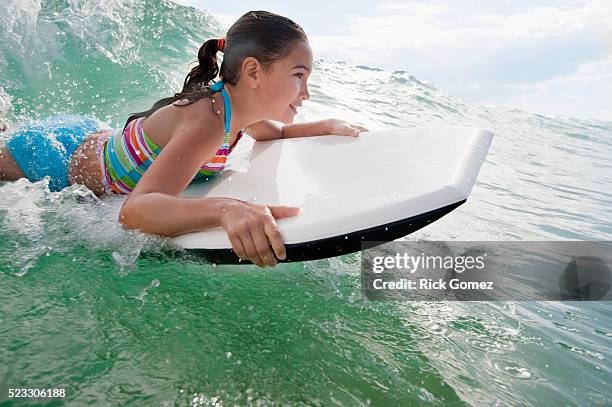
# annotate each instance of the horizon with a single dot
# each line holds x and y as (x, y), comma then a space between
(559, 63)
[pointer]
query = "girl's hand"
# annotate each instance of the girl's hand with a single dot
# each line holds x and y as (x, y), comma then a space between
(342, 128)
(253, 231)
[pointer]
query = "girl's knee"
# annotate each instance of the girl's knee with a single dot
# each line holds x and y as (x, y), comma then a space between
(9, 169)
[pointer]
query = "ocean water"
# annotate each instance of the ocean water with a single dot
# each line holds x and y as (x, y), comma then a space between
(115, 319)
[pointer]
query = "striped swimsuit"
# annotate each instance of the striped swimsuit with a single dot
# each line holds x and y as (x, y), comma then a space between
(127, 153)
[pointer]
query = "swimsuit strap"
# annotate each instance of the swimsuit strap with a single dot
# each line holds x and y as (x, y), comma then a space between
(226, 103)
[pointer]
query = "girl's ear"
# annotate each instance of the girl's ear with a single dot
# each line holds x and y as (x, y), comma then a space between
(251, 72)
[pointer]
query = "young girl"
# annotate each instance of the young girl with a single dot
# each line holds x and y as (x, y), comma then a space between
(264, 73)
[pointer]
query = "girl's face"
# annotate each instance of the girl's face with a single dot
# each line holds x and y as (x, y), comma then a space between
(286, 83)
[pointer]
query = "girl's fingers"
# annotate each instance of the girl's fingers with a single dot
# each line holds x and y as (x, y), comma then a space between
(347, 130)
(262, 246)
(276, 240)
(237, 246)
(351, 130)
(279, 211)
(251, 251)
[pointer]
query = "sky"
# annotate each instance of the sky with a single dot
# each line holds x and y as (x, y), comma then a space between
(547, 57)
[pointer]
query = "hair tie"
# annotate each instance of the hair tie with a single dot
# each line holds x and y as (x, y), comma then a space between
(221, 44)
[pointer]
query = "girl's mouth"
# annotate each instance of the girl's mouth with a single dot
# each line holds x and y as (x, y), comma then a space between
(293, 108)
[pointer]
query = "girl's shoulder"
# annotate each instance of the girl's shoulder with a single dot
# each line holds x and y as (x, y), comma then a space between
(197, 117)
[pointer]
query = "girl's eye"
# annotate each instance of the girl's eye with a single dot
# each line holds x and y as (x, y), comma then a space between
(299, 75)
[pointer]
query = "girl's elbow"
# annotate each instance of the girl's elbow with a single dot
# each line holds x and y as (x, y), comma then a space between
(130, 215)
(265, 130)
(126, 216)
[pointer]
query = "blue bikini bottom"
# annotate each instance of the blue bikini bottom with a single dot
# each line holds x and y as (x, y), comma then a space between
(44, 148)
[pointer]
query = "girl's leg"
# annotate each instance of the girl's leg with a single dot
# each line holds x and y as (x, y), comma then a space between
(44, 147)
(9, 170)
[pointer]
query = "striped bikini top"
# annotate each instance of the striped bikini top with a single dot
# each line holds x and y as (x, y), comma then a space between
(127, 153)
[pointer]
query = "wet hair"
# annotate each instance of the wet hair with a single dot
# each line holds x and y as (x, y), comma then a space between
(265, 36)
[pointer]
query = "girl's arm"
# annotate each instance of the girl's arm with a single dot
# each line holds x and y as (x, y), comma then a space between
(168, 215)
(154, 206)
(251, 229)
(271, 130)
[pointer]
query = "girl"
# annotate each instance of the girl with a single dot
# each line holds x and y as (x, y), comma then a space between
(264, 73)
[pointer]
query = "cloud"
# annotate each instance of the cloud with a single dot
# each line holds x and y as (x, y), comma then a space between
(550, 56)
(476, 48)
(587, 92)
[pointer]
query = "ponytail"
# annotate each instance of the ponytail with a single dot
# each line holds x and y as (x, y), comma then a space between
(206, 70)
(196, 82)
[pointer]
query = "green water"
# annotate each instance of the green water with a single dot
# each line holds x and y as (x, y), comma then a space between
(174, 330)
(170, 331)
(115, 319)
